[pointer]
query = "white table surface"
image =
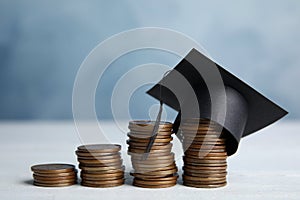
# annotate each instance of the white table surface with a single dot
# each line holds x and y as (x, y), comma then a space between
(266, 165)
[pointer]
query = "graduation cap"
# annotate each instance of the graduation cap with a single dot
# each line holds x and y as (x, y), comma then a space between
(200, 88)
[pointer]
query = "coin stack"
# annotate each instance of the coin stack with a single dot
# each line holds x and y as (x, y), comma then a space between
(101, 165)
(205, 154)
(54, 175)
(157, 169)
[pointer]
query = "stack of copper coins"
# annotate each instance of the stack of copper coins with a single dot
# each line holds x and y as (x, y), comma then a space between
(205, 154)
(156, 169)
(54, 175)
(101, 165)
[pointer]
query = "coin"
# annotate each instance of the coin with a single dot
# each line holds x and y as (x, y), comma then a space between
(110, 157)
(154, 173)
(154, 182)
(153, 165)
(193, 167)
(94, 154)
(145, 144)
(51, 182)
(148, 123)
(203, 161)
(53, 185)
(100, 168)
(101, 186)
(103, 178)
(104, 175)
(204, 185)
(51, 175)
(53, 168)
(137, 136)
(56, 178)
(115, 165)
(157, 140)
(102, 182)
(152, 157)
(100, 148)
(166, 178)
(101, 171)
(99, 162)
(197, 173)
(152, 151)
(155, 186)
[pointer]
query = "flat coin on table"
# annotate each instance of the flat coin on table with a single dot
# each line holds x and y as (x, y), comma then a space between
(53, 168)
(100, 148)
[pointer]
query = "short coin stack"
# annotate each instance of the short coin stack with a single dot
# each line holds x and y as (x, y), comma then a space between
(205, 154)
(54, 175)
(101, 165)
(158, 169)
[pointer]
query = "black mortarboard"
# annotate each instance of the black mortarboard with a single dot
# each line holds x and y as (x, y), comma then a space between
(198, 87)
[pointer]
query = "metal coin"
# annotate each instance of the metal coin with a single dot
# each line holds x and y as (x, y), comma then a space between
(154, 186)
(204, 185)
(54, 175)
(102, 182)
(192, 167)
(100, 168)
(152, 182)
(57, 178)
(53, 185)
(53, 168)
(100, 148)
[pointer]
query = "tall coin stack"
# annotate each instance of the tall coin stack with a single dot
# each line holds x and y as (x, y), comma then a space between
(54, 175)
(101, 165)
(205, 154)
(158, 168)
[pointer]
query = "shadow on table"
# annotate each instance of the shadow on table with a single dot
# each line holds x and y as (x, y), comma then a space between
(28, 182)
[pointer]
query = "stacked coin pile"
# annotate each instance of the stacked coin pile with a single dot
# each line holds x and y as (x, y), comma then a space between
(54, 175)
(157, 169)
(205, 154)
(101, 165)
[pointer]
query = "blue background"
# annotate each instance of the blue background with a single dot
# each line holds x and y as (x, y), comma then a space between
(42, 44)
